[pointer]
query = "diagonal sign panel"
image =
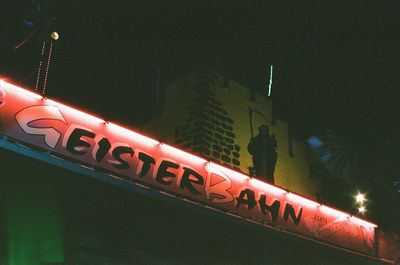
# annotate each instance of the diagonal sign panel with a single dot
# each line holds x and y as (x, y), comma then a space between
(71, 133)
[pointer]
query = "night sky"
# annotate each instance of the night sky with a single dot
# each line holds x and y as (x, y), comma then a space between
(336, 65)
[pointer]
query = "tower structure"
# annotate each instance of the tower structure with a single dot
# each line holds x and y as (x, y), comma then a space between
(207, 113)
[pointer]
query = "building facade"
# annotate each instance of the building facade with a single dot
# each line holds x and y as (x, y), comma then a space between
(215, 117)
(76, 189)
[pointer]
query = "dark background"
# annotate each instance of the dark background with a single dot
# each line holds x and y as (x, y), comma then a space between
(336, 63)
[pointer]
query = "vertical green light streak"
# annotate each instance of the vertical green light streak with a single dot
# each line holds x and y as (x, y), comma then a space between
(270, 80)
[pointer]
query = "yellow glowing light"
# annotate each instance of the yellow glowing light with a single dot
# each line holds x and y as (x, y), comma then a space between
(360, 198)
(361, 209)
(54, 35)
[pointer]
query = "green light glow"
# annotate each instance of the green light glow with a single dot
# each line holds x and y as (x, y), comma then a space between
(32, 226)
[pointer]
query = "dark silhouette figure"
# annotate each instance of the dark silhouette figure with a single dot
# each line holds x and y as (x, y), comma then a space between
(263, 148)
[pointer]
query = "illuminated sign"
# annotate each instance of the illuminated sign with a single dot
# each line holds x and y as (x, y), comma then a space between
(76, 135)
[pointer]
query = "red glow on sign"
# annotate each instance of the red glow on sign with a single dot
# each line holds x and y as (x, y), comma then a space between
(270, 188)
(72, 133)
(22, 91)
(83, 115)
(182, 154)
(129, 134)
(303, 201)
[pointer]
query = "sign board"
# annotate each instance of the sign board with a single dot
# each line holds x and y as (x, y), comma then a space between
(76, 135)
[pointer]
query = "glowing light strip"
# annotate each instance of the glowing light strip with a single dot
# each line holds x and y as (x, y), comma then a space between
(79, 113)
(20, 90)
(182, 154)
(268, 187)
(131, 134)
(146, 140)
(302, 200)
(237, 175)
(362, 222)
(332, 211)
(339, 213)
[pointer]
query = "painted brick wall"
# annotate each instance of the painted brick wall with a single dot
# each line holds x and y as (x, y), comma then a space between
(208, 114)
